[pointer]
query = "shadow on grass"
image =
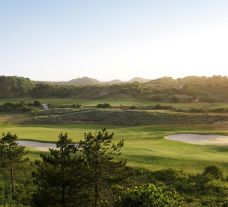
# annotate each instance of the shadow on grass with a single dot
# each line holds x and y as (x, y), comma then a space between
(223, 149)
(178, 163)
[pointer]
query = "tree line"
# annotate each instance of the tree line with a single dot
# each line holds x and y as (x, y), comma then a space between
(188, 89)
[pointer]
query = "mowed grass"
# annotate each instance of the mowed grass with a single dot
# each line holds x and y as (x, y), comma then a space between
(145, 146)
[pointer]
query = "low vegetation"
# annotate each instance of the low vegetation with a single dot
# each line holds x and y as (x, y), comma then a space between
(92, 173)
(127, 117)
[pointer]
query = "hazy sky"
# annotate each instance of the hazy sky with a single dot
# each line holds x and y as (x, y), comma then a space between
(109, 39)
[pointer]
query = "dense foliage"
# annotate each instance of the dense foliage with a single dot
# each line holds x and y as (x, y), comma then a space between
(126, 117)
(12, 86)
(59, 176)
(19, 107)
(148, 196)
(91, 174)
(189, 89)
(14, 184)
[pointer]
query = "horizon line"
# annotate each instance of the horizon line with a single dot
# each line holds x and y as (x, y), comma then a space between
(81, 77)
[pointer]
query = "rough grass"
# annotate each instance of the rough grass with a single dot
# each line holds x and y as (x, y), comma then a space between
(128, 117)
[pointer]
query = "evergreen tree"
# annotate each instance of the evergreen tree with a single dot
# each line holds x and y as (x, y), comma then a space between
(12, 164)
(59, 176)
(99, 154)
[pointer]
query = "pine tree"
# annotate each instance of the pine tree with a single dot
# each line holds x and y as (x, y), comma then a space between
(100, 155)
(11, 162)
(59, 175)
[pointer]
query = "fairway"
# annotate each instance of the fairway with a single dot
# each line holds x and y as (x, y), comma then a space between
(144, 146)
(118, 102)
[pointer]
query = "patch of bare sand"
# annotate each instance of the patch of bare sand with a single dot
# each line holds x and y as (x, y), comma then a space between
(199, 139)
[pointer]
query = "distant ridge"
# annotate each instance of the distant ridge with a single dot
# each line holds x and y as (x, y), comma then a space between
(87, 81)
(139, 80)
(112, 82)
(167, 89)
(83, 81)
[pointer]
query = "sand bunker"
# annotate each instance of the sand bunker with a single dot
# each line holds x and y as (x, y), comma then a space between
(41, 146)
(199, 139)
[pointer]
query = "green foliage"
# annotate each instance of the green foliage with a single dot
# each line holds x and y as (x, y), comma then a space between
(36, 103)
(188, 89)
(127, 117)
(12, 169)
(59, 176)
(104, 105)
(214, 171)
(204, 188)
(90, 174)
(170, 175)
(15, 107)
(12, 86)
(148, 196)
(99, 153)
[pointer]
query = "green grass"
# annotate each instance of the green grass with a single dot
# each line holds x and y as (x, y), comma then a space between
(113, 101)
(124, 101)
(145, 146)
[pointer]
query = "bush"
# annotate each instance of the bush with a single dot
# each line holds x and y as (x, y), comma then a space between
(213, 171)
(76, 106)
(104, 105)
(170, 175)
(37, 104)
(148, 196)
(14, 107)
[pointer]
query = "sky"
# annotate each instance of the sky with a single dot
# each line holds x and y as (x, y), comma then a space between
(113, 39)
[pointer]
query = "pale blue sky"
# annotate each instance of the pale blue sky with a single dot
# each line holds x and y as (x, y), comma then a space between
(109, 39)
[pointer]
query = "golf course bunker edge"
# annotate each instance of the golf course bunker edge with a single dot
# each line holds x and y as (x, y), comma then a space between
(199, 139)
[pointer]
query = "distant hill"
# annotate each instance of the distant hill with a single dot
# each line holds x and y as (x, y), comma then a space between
(84, 81)
(167, 89)
(139, 80)
(87, 81)
(113, 82)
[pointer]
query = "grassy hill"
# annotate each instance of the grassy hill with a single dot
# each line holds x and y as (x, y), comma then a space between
(182, 90)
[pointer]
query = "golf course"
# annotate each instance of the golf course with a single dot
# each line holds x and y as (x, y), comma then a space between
(165, 138)
(145, 146)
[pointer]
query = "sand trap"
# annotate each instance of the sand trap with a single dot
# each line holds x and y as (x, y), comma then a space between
(199, 139)
(41, 146)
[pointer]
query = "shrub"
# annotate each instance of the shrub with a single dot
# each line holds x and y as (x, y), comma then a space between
(76, 106)
(148, 196)
(37, 104)
(104, 105)
(213, 171)
(169, 175)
